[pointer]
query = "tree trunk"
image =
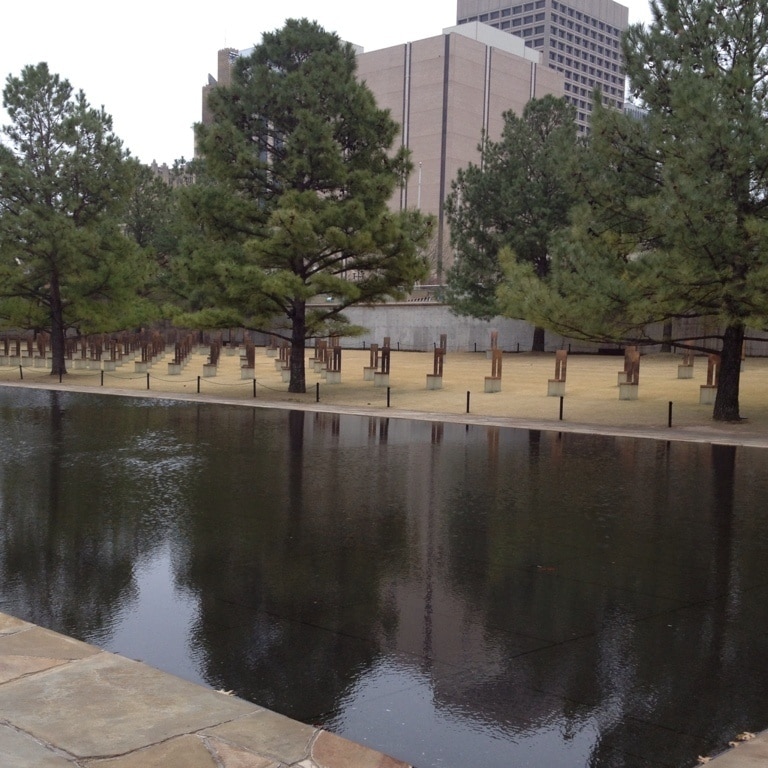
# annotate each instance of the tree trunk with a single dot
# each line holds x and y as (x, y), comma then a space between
(298, 381)
(727, 399)
(538, 340)
(58, 332)
(666, 338)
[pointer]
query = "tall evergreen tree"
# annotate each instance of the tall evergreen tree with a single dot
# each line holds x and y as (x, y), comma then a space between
(153, 219)
(64, 261)
(677, 220)
(518, 197)
(293, 203)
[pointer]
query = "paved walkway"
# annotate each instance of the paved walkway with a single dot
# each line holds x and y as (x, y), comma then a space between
(590, 405)
(64, 703)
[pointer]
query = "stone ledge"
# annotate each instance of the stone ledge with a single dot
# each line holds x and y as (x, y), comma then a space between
(67, 703)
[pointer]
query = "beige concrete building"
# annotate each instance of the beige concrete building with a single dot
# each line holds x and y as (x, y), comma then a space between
(579, 38)
(445, 92)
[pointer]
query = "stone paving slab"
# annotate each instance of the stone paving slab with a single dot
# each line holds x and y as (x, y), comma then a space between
(65, 703)
(22, 751)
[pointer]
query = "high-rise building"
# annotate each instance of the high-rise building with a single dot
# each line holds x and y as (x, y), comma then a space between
(580, 38)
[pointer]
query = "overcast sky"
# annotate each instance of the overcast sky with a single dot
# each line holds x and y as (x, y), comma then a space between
(146, 62)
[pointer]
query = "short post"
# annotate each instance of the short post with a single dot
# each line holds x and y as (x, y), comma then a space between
(198, 385)
(561, 407)
(147, 380)
(102, 378)
(387, 397)
(317, 392)
(21, 373)
(254, 387)
(467, 401)
(669, 415)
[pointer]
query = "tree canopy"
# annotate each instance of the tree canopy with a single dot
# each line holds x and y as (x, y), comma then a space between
(292, 200)
(676, 215)
(518, 197)
(64, 177)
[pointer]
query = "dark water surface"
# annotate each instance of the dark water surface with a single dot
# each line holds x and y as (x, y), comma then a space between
(452, 596)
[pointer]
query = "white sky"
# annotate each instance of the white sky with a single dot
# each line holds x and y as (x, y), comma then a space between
(146, 62)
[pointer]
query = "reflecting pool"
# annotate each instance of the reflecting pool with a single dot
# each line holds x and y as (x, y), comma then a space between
(454, 596)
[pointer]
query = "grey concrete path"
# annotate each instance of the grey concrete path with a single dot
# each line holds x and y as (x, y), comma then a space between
(64, 703)
(590, 405)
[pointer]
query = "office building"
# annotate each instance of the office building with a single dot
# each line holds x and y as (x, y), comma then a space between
(579, 38)
(446, 92)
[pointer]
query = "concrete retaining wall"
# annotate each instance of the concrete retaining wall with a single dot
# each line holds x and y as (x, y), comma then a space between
(416, 326)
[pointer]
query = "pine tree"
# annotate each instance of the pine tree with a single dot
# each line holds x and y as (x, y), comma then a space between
(292, 201)
(518, 197)
(64, 262)
(677, 220)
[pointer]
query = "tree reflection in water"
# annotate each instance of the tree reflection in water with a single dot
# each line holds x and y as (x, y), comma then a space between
(450, 594)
